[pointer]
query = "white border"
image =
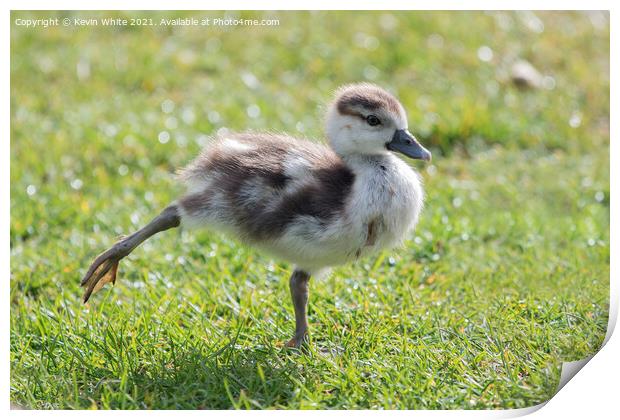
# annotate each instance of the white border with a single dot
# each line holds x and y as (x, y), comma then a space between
(592, 393)
(312, 5)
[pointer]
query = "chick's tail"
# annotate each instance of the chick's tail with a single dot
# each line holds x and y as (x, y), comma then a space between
(103, 270)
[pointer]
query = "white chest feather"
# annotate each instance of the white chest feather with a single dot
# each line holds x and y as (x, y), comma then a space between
(385, 204)
(381, 210)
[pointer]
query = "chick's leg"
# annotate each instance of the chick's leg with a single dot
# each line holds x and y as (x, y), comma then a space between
(103, 269)
(299, 293)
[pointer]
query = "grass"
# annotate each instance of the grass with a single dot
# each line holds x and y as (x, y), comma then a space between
(506, 276)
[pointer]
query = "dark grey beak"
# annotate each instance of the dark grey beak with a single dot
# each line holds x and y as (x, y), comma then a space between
(404, 142)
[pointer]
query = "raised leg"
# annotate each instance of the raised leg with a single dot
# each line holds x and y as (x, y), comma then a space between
(103, 269)
(299, 292)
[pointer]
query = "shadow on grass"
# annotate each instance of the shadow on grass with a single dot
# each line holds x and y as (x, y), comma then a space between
(232, 377)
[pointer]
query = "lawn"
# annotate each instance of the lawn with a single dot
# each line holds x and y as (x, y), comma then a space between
(506, 276)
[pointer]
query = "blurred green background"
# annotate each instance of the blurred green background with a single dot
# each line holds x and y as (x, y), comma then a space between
(506, 276)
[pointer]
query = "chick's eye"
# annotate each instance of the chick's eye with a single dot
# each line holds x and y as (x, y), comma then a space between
(373, 120)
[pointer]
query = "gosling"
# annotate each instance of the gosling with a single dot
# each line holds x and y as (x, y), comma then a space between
(312, 205)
